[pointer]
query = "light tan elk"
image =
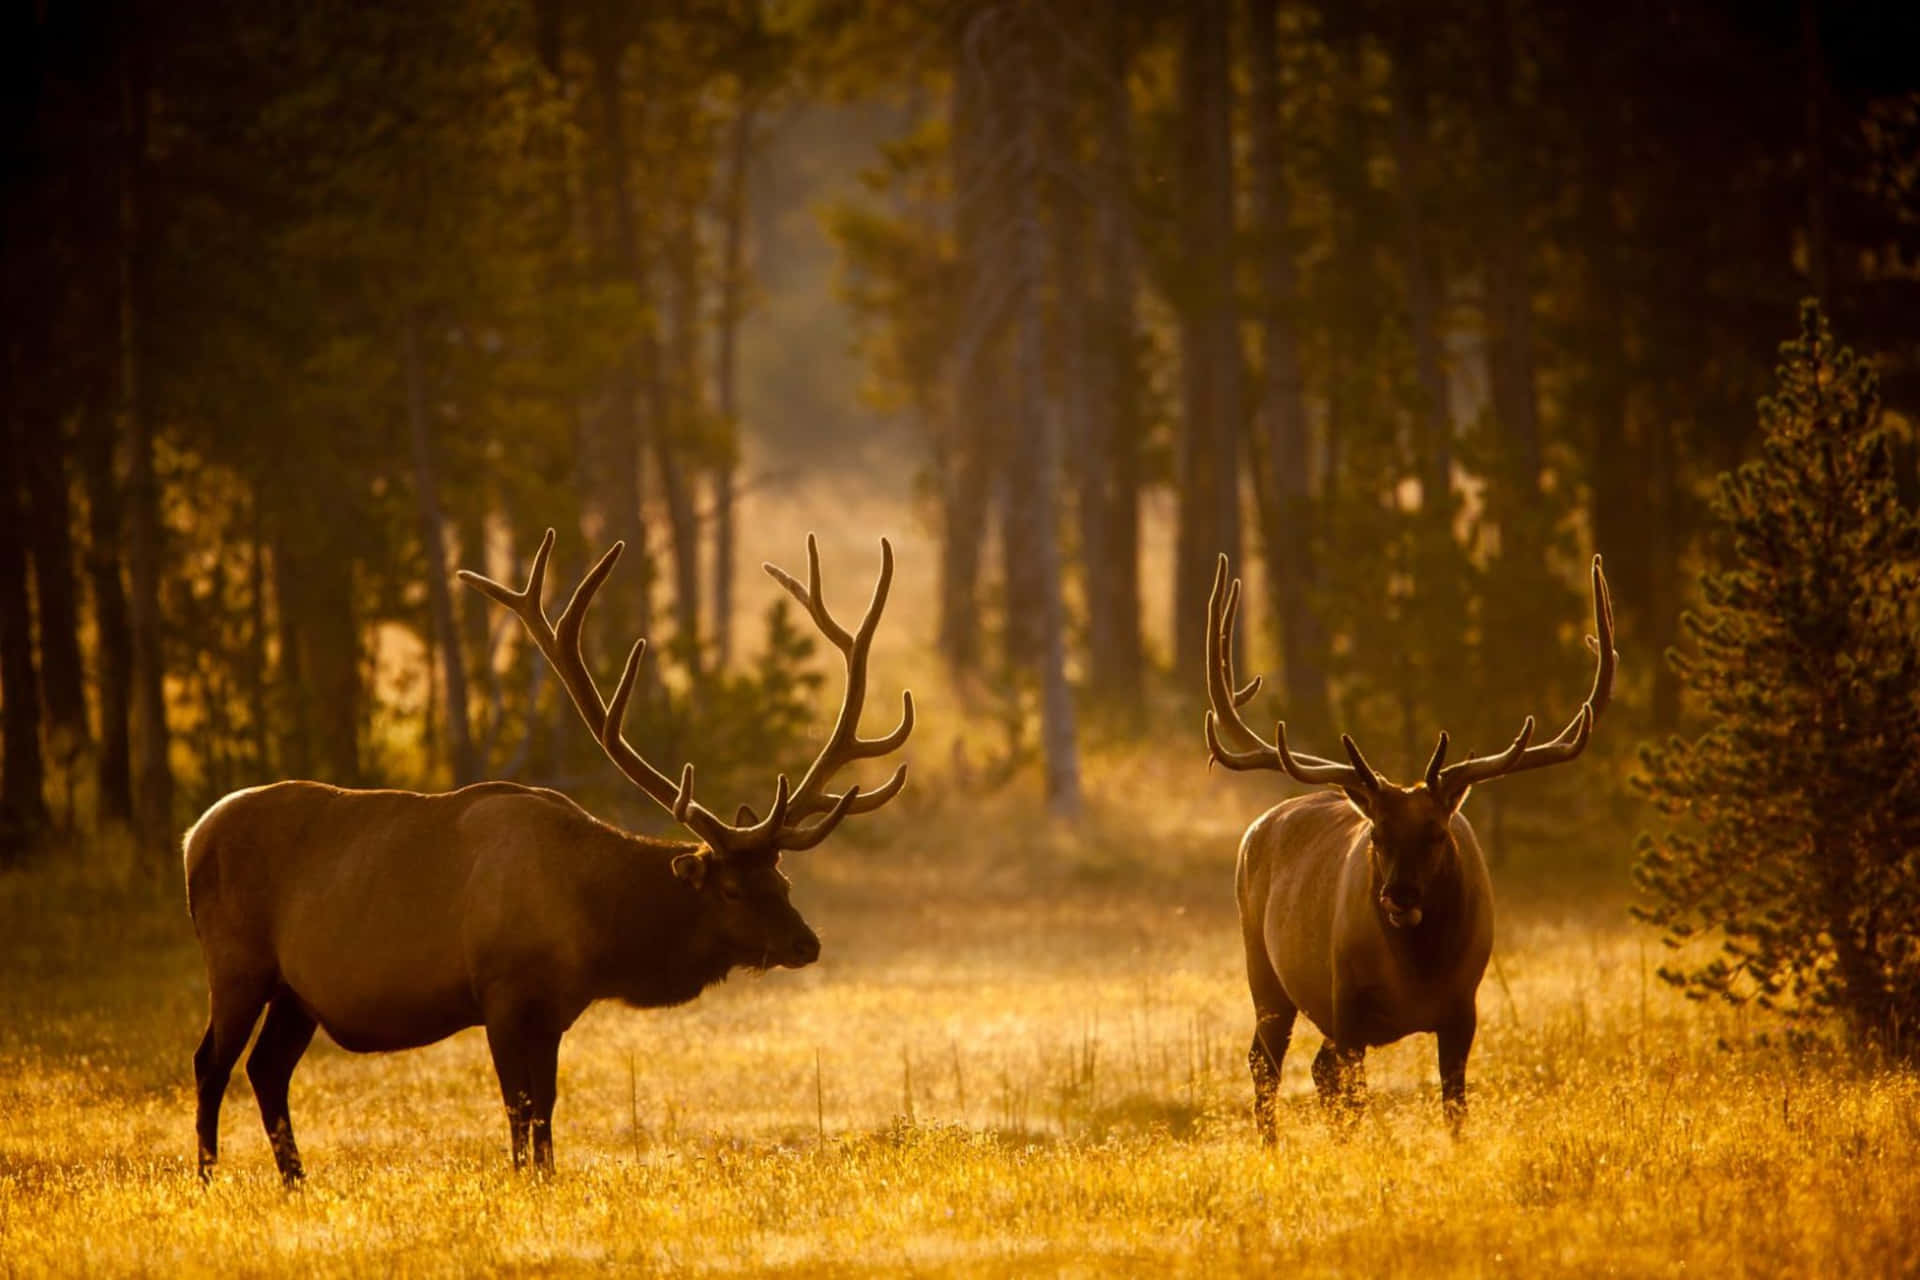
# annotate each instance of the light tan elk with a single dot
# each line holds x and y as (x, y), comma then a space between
(394, 919)
(1368, 909)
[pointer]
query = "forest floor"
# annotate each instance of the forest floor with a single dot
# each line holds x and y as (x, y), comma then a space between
(1023, 1053)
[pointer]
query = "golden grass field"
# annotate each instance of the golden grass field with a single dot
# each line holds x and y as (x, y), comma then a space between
(1023, 1053)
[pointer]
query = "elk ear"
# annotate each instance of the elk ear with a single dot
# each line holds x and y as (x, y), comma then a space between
(1362, 801)
(692, 867)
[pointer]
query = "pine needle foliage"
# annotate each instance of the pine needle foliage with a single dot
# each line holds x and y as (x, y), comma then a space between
(1792, 824)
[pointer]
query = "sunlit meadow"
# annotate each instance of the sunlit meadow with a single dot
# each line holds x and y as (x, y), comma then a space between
(1023, 1052)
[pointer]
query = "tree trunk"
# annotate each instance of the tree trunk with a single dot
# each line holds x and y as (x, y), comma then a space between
(1023, 575)
(1210, 359)
(964, 492)
(290, 679)
(256, 674)
(1032, 520)
(1024, 560)
(153, 774)
(50, 536)
(320, 640)
(677, 403)
(477, 629)
(113, 639)
(732, 305)
(426, 489)
(1509, 303)
(1663, 604)
(1291, 550)
(1116, 662)
(1083, 426)
(1435, 418)
(23, 806)
(619, 425)
(1617, 461)
(1819, 185)
(968, 445)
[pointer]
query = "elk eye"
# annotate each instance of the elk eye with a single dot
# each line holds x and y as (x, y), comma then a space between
(731, 892)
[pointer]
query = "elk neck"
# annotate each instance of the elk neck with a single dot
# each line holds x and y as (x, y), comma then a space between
(651, 943)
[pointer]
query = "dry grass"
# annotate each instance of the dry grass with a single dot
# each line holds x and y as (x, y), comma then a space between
(1023, 1053)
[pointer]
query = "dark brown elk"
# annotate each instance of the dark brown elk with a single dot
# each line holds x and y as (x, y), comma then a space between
(1367, 908)
(393, 919)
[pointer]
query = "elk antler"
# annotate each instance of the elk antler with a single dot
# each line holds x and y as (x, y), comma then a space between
(844, 744)
(1572, 740)
(560, 643)
(1251, 751)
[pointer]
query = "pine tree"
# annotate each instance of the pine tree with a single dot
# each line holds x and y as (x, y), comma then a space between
(1793, 822)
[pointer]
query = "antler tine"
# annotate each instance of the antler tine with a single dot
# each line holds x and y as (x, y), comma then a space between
(622, 692)
(573, 618)
(1602, 643)
(1458, 777)
(1260, 757)
(769, 831)
(1572, 740)
(1250, 751)
(526, 605)
(683, 798)
(516, 601)
(1435, 761)
(810, 596)
(1229, 616)
(1313, 769)
(1361, 768)
(559, 642)
(844, 743)
(870, 800)
(800, 838)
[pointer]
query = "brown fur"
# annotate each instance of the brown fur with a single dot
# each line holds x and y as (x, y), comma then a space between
(1311, 883)
(392, 919)
(1372, 914)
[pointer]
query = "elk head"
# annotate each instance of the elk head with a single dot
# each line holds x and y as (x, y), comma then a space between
(1411, 835)
(734, 866)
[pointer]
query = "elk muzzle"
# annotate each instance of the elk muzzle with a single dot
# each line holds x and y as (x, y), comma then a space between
(1401, 903)
(801, 950)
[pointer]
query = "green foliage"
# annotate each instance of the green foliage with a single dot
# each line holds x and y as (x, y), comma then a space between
(1793, 821)
(899, 282)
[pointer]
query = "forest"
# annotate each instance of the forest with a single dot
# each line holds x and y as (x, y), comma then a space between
(312, 304)
(1407, 310)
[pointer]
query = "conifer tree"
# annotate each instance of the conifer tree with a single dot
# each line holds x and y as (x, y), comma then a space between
(1793, 821)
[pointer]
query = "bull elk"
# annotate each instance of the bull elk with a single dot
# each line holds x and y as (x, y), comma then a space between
(394, 919)
(1369, 908)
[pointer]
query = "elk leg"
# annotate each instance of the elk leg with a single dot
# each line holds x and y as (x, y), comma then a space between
(1341, 1077)
(516, 1089)
(1269, 1050)
(1456, 1042)
(234, 1007)
(1274, 1014)
(1271, 1035)
(284, 1037)
(543, 1067)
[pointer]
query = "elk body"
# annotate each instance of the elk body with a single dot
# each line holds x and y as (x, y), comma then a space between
(393, 919)
(1368, 908)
